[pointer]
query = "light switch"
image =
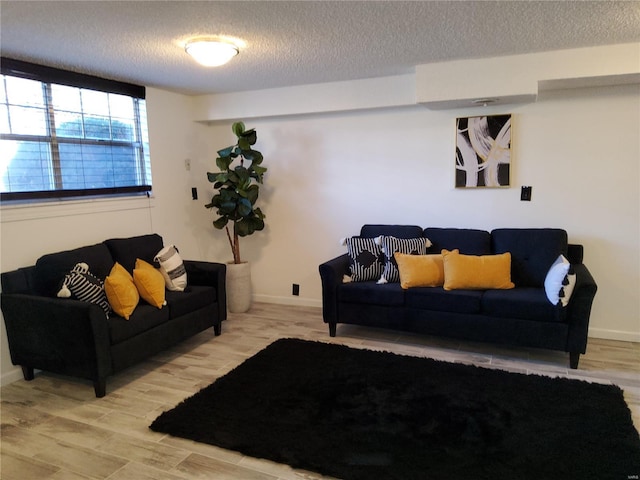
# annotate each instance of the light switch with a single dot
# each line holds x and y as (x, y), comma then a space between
(525, 194)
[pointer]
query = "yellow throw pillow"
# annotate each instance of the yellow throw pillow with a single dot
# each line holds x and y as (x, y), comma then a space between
(150, 283)
(420, 270)
(121, 291)
(476, 272)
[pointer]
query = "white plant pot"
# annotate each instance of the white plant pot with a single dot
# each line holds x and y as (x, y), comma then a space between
(238, 287)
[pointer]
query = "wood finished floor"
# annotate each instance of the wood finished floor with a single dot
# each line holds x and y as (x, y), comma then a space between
(54, 428)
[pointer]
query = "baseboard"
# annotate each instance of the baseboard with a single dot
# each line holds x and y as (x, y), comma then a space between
(292, 300)
(614, 335)
(11, 376)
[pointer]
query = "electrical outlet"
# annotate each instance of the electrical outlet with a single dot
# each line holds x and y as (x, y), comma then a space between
(194, 193)
(295, 290)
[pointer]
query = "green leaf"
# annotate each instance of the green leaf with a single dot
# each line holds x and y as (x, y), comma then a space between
(255, 157)
(233, 177)
(220, 223)
(244, 207)
(248, 225)
(259, 214)
(224, 162)
(242, 172)
(259, 171)
(218, 177)
(242, 228)
(252, 194)
(258, 224)
(238, 128)
(225, 152)
(244, 144)
(250, 136)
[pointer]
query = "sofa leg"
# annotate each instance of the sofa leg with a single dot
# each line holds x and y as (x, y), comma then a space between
(100, 387)
(574, 358)
(27, 373)
(332, 329)
(217, 329)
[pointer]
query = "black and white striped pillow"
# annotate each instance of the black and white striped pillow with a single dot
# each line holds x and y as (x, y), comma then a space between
(81, 284)
(391, 245)
(366, 258)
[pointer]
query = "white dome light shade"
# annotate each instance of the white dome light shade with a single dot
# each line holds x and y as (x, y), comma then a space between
(211, 53)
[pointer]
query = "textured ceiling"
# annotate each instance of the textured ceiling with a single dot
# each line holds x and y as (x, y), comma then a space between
(293, 43)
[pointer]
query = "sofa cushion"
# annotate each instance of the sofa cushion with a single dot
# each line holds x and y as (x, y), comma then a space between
(121, 292)
(524, 303)
(420, 270)
(476, 272)
(366, 261)
(390, 294)
(533, 251)
(144, 317)
(51, 269)
(150, 283)
(468, 241)
(127, 250)
(440, 300)
(191, 299)
(398, 231)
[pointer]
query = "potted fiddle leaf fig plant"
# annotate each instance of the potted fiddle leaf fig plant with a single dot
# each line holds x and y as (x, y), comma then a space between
(237, 188)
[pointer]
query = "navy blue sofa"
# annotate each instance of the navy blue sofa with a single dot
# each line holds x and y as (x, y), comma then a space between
(522, 316)
(75, 338)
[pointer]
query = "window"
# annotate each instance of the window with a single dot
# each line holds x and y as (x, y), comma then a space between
(64, 134)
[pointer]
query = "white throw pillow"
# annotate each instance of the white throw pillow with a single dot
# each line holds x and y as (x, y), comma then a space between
(557, 284)
(172, 268)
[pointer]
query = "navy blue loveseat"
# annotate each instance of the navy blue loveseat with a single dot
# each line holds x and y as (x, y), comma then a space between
(76, 338)
(521, 316)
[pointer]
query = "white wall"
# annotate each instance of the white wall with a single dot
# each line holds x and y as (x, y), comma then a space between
(330, 173)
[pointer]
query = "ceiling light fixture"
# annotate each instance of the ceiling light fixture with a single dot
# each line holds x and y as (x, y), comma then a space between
(211, 52)
(484, 101)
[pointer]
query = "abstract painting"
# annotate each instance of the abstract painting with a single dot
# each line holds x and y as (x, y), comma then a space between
(483, 151)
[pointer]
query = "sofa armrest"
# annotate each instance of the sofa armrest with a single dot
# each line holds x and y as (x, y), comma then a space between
(210, 274)
(331, 274)
(575, 253)
(58, 335)
(579, 308)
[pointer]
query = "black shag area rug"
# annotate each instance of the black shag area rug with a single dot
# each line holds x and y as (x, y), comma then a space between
(360, 414)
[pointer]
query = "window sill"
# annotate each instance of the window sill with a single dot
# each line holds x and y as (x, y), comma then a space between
(19, 212)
